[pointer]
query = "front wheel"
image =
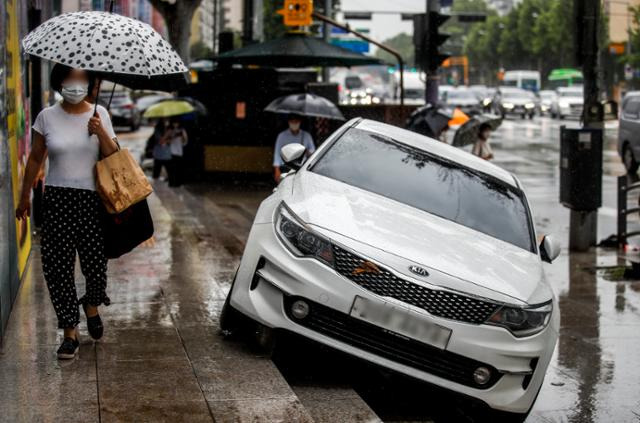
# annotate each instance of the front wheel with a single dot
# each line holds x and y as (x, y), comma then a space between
(629, 160)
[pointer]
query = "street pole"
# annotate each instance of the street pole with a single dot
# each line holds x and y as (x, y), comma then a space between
(583, 225)
(326, 33)
(431, 83)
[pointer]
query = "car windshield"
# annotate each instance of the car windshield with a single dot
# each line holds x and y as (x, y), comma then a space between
(570, 93)
(460, 95)
(516, 94)
(435, 185)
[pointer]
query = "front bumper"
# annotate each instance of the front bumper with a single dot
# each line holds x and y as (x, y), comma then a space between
(269, 277)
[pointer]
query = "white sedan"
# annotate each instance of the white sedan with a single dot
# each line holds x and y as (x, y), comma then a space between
(408, 253)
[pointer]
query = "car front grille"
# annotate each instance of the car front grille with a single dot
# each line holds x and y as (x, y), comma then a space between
(394, 347)
(436, 302)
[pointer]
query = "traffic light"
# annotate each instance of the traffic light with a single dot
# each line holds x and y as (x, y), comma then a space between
(428, 40)
(297, 12)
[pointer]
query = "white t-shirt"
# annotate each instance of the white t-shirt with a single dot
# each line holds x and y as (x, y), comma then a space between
(73, 153)
(287, 137)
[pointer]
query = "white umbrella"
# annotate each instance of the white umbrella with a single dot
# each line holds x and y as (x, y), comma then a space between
(121, 49)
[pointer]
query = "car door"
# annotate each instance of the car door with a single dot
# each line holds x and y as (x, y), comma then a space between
(630, 124)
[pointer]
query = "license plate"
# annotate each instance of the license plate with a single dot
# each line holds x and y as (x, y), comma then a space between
(401, 321)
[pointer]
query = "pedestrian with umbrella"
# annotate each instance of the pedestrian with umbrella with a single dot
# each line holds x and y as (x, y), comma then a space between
(74, 134)
(169, 138)
(477, 131)
(296, 106)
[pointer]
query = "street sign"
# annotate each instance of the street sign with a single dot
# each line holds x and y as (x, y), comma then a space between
(297, 12)
(616, 48)
(628, 72)
(359, 46)
(336, 30)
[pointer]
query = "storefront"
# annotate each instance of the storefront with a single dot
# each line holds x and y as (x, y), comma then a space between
(15, 239)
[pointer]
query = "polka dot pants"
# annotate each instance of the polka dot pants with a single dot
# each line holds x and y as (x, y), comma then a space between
(72, 223)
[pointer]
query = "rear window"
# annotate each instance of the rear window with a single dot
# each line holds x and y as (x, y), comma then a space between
(446, 189)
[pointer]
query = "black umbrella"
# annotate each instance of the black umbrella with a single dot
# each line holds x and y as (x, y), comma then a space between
(468, 132)
(295, 50)
(305, 105)
(429, 120)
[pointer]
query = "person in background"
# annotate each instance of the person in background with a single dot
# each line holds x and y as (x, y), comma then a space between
(481, 147)
(161, 150)
(291, 135)
(177, 138)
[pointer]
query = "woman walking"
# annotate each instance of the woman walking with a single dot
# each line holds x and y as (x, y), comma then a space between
(74, 138)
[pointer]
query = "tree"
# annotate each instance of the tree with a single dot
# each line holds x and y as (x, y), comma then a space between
(403, 44)
(177, 16)
(200, 50)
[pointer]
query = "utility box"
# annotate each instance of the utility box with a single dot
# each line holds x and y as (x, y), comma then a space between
(581, 168)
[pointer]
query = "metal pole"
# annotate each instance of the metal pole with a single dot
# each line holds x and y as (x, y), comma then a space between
(326, 35)
(431, 83)
(372, 41)
(583, 225)
(214, 34)
(622, 212)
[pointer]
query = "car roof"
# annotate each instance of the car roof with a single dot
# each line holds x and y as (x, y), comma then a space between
(437, 148)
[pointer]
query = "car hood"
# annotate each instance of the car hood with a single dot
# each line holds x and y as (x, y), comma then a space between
(518, 101)
(415, 235)
(572, 100)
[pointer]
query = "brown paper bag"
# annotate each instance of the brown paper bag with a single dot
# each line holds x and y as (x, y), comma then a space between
(120, 181)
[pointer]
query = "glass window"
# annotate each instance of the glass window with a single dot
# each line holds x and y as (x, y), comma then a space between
(386, 167)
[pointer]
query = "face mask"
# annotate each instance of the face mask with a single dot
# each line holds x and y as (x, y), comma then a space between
(74, 92)
(294, 126)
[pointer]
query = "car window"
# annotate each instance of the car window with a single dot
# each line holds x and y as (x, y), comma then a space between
(632, 107)
(446, 189)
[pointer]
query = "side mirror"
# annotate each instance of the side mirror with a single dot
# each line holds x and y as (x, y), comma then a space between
(291, 155)
(549, 249)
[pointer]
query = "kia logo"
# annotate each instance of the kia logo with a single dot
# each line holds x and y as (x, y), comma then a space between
(418, 270)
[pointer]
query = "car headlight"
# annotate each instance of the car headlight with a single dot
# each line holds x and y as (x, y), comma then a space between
(522, 321)
(529, 105)
(507, 105)
(486, 102)
(300, 239)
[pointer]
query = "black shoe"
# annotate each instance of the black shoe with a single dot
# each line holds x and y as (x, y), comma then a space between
(68, 349)
(94, 324)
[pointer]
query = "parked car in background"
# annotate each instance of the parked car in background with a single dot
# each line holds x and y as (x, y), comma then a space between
(123, 109)
(431, 268)
(547, 98)
(143, 102)
(464, 99)
(515, 101)
(629, 132)
(568, 102)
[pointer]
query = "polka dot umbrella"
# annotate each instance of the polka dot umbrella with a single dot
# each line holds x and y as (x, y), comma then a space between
(118, 48)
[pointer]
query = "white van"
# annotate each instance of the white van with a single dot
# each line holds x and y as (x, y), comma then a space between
(525, 79)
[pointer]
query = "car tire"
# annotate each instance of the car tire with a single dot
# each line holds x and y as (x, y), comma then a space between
(230, 320)
(531, 116)
(523, 116)
(629, 160)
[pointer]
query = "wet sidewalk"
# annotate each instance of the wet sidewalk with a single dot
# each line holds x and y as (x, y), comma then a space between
(161, 358)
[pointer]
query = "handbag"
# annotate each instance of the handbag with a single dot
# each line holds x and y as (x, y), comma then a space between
(126, 230)
(120, 181)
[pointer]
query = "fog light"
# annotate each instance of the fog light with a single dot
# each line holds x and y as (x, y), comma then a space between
(299, 309)
(481, 375)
